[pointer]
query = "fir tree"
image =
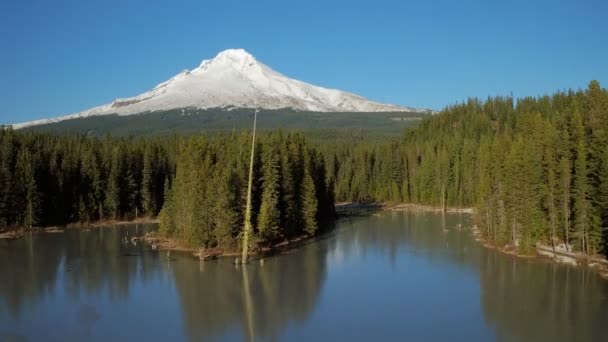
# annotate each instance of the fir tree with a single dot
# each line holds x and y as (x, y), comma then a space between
(227, 214)
(582, 214)
(167, 213)
(309, 205)
(113, 202)
(269, 216)
(26, 190)
(147, 197)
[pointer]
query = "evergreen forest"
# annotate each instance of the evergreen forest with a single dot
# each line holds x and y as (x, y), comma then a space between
(534, 169)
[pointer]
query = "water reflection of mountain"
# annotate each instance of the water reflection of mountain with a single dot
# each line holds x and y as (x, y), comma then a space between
(80, 263)
(262, 299)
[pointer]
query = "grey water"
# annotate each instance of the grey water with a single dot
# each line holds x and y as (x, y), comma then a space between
(387, 276)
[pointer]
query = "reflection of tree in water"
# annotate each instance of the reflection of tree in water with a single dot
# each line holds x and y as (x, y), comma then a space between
(87, 262)
(217, 296)
(29, 270)
(420, 234)
(6, 337)
(523, 299)
(262, 299)
(98, 261)
(87, 316)
(542, 301)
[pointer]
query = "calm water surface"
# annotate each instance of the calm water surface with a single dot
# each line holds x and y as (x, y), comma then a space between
(388, 276)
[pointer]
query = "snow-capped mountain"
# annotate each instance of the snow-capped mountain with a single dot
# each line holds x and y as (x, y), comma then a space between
(234, 78)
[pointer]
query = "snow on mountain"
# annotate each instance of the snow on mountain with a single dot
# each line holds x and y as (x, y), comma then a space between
(234, 78)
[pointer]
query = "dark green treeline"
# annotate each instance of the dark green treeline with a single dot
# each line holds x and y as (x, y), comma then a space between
(53, 180)
(199, 182)
(535, 169)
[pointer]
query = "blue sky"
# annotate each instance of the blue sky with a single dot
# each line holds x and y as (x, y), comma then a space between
(59, 57)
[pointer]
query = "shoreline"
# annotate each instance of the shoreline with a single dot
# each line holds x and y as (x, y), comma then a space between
(169, 244)
(343, 209)
(546, 252)
(429, 208)
(541, 252)
(345, 206)
(12, 234)
(104, 223)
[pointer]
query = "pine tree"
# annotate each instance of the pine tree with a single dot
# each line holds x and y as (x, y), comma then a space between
(92, 187)
(309, 204)
(602, 198)
(443, 171)
(396, 174)
(289, 192)
(500, 186)
(167, 213)
(132, 188)
(513, 173)
(324, 193)
(565, 185)
(597, 108)
(147, 197)
(113, 198)
(200, 197)
(27, 194)
(564, 148)
(227, 214)
(485, 193)
(582, 212)
(269, 216)
(550, 199)
(6, 155)
(97, 187)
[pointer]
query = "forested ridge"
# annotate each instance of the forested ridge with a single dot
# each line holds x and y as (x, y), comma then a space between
(535, 169)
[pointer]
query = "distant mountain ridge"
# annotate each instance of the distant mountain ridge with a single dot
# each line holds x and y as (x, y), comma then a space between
(233, 79)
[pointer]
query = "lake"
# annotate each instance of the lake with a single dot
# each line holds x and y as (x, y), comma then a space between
(386, 276)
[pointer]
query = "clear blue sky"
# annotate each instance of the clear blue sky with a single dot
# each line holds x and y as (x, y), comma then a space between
(59, 57)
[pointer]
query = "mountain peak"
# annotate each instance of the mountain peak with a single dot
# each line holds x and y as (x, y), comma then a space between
(235, 54)
(234, 78)
(237, 58)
